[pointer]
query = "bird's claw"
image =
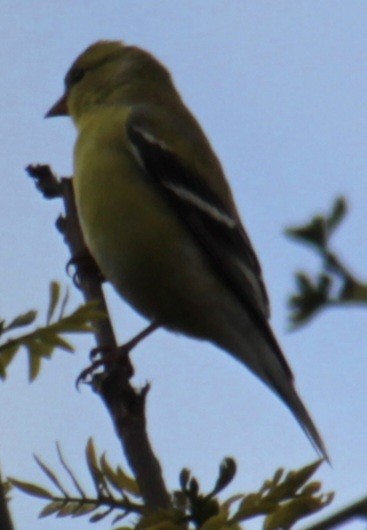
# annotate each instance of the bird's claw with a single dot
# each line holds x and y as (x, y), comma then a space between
(99, 357)
(110, 359)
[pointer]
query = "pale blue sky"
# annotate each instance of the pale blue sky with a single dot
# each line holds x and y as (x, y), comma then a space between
(281, 89)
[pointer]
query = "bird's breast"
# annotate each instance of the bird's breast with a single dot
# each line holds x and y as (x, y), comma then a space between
(139, 244)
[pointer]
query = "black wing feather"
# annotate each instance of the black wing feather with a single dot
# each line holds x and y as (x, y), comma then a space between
(219, 234)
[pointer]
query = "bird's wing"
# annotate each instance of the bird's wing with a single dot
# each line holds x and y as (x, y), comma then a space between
(214, 226)
(217, 230)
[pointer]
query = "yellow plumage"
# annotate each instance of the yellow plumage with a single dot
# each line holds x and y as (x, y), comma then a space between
(158, 216)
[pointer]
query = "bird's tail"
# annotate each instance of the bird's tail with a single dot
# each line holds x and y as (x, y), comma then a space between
(261, 353)
(288, 394)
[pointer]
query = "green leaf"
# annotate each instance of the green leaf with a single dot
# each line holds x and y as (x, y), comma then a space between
(184, 478)
(38, 347)
(251, 506)
(119, 517)
(337, 214)
(34, 366)
(278, 475)
(159, 520)
(55, 341)
(22, 320)
(312, 296)
(194, 487)
(127, 483)
(313, 233)
(70, 472)
(119, 479)
(354, 292)
(51, 476)
(85, 508)
(99, 516)
(7, 353)
(31, 489)
(216, 522)
(292, 482)
(227, 471)
(93, 466)
(311, 488)
(232, 500)
(289, 513)
(54, 299)
(68, 509)
(51, 508)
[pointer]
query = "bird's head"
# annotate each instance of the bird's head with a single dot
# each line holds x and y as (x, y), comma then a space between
(108, 73)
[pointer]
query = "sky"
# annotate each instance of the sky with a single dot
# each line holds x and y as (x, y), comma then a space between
(280, 87)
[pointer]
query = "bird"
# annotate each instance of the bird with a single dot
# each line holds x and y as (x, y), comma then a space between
(159, 217)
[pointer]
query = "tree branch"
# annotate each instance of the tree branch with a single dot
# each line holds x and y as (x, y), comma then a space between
(5, 519)
(125, 404)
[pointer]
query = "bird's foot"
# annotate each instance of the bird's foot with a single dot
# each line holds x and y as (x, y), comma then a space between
(110, 359)
(113, 358)
(83, 263)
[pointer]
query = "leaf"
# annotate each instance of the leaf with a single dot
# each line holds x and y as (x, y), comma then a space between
(84, 509)
(34, 366)
(184, 478)
(337, 214)
(54, 299)
(93, 466)
(68, 509)
(63, 304)
(235, 498)
(22, 320)
(6, 356)
(127, 483)
(119, 517)
(292, 482)
(312, 296)
(119, 479)
(55, 341)
(216, 522)
(354, 292)
(313, 233)
(31, 489)
(69, 472)
(311, 488)
(51, 476)
(278, 475)
(38, 347)
(163, 522)
(252, 505)
(99, 516)
(288, 514)
(227, 471)
(193, 487)
(51, 508)
(158, 519)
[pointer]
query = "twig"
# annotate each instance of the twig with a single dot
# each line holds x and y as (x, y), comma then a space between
(5, 519)
(125, 404)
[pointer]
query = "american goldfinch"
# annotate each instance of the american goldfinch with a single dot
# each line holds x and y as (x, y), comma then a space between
(158, 215)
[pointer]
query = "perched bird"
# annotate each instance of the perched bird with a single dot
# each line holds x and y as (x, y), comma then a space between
(158, 215)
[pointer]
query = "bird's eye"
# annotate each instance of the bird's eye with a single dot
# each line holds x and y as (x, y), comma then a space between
(73, 77)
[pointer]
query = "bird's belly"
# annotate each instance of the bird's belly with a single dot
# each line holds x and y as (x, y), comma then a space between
(148, 256)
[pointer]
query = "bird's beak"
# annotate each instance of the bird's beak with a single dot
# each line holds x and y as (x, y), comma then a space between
(59, 109)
